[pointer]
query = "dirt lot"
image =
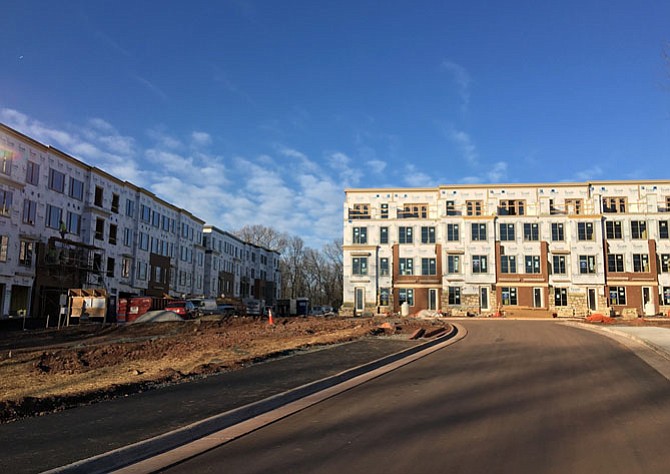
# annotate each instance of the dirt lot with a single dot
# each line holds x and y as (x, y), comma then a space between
(50, 370)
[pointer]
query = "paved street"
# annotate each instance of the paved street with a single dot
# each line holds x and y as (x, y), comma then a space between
(514, 396)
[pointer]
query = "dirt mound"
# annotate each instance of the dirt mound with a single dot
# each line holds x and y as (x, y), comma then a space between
(600, 318)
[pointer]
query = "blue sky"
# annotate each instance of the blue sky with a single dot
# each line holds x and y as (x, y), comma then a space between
(262, 112)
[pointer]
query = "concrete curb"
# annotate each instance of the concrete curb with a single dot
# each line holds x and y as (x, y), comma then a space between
(134, 453)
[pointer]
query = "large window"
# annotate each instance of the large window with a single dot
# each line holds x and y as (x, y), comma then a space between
(360, 235)
(557, 232)
(126, 266)
(663, 229)
(383, 235)
(664, 260)
(144, 241)
(452, 233)
(54, 216)
(56, 180)
(76, 189)
(360, 211)
(614, 204)
(531, 232)
(453, 264)
(29, 211)
(6, 157)
(405, 235)
(640, 263)
(532, 264)
(115, 203)
(26, 250)
(559, 265)
(32, 173)
(613, 230)
(99, 228)
(5, 203)
(615, 263)
(560, 297)
(406, 266)
(130, 207)
(509, 297)
(384, 296)
(512, 207)
(479, 264)
(428, 266)
(112, 234)
(454, 295)
(451, 208)
(507, 232)
(360, 266)
(585, 230)
(127, 237)
(145, 213)
(474, 208)
(73, 224)
(478, 231)
(406, 295)
(638, 229)
(413, 211)
(617, 295)
(427, 235)
(587, 264)
(507, 264)
(384, 266)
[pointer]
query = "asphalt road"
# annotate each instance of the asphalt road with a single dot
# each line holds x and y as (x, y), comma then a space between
(512, 397)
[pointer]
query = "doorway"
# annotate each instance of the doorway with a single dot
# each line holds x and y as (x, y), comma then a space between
(484, 298)
(432, 299)
(648, 306)
(591, 295)
(537, 297)
(359, 301)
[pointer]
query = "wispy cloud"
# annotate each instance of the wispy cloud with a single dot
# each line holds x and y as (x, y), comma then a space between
(201, 138)
(461, 78)
(150, 86)
(587, 174)
(465, 144)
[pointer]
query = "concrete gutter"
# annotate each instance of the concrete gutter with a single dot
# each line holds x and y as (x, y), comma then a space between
(167, 449)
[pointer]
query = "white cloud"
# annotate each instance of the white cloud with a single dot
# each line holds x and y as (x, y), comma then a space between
(377, 166)
(465, 144)
(461, 77)
(201, 138)
(498, 172)
(419, 179)
(590, 173)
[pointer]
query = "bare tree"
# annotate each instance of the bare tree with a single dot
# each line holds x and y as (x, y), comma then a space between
(263, 236)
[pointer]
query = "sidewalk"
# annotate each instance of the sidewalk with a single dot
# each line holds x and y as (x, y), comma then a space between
(656, 338)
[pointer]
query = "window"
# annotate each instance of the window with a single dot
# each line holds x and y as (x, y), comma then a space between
(559, 265)
(360, 235)
(126, 265)
(406, 295)
(383, 235)
(585, 231)
(560, 297)
(506, 232)
(453, 233)
(112, 234)
(454, 295)
(664, 259)
(76, 189)
(99, 194)
(478, 231)
(99, 228)
(384, 266)
(638, 229)
(360, 266)
(531, 232)
(479, 264)
(613, 230)
(405, 235)
(617, 295)
(574, 206)
(165, 223)
(666, 295)
(507, 264)
(29, 211)
(144, 241)
(615, 263)
(641, 263)
(587, 264)
(32, 173)
(614, 204)
(155, 219)
(359, 211)
(54, 215)
(145, 213)
(509, 297)
(130, 207)
(406, 266)
(384, 214)
(473, 208)
(427, 235)
(26, 253)
(5, 203)
(141, 270)
(4, 245)
(384, 296)
(451, 208)
(413, 211)
(110, 267)
(663, 229)
(512, 207)
(532, 264)
(6, 161)
(428, 266)
(73, 224)
(557, 232)
(453, 264)
(115, 203)
(127, 237)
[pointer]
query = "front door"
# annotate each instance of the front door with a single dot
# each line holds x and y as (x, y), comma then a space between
(537, 297)
(484, 298)
(592, 299)
(647, 302)
(432, 299)
(359, 301)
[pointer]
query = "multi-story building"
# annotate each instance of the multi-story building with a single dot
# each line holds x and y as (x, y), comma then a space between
(67, 225)
(239, 269)
(562, 248)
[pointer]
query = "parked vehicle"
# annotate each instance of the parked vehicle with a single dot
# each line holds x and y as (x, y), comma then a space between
(227, 310)
(183, 308)
(207, 306)
(129, 309)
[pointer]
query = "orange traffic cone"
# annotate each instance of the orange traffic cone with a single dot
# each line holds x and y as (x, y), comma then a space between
(270, 320)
